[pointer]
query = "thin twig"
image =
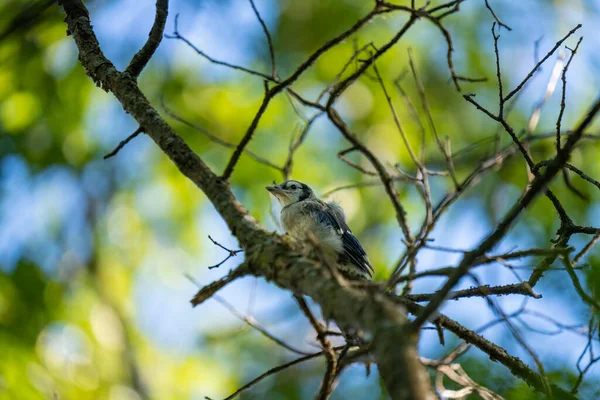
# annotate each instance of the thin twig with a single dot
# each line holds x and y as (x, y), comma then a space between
(583, 175)
(481, 291)
(269, 40)
(550, 87)
(530, 74)
(586, 249)
(123, 143)
(328, 381)
(495, 17)
(271, 372)
(232, 253)
(569, 184)
(577, 285)
(432, 126)
(216, 139)
(254, 324)
(142, 57)
(538, 185)
(209, 290)
(178, 36)
(268, 95)
(563, 95)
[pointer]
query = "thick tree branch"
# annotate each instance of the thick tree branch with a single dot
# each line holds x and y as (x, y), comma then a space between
(267, 254)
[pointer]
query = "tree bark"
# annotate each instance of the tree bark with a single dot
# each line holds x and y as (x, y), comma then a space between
(267, 254)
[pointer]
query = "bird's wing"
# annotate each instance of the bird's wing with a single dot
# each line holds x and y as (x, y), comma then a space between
(353, 252)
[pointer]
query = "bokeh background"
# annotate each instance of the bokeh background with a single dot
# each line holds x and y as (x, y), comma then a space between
(95, 255)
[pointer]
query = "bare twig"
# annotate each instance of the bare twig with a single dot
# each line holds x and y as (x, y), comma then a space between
(232, 253)
(569, 184)
(216, 139)
(414, 114)
(587, 248)
(530, 74)
(537, 186)
(178, 36)
(209, 290)
(583, 175)
(577, 285)
(550, 87)
(563, 95)
(295, 145)
(328, 381)
(342, 156)
(124, 142)
(481, 291)
(248, 135)
(143, 56)
(427, 108)
(254, 324)
(514, 364)
(352, 186)
(495, 17)
(269, 40)
(271, 372)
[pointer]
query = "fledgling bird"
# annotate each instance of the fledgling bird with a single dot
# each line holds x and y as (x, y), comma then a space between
(303, 214)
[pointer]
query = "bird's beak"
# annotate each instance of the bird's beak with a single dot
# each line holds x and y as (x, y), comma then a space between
(279, 193)
(275, 190)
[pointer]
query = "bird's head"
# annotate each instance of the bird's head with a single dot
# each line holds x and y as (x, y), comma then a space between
(290, 192)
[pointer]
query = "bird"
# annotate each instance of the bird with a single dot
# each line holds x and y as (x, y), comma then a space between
(304, 215)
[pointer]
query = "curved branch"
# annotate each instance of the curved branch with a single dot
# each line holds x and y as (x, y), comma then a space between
(142, 57)
(267, 254)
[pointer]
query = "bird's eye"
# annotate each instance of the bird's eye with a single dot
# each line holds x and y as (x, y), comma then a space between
(293, 187)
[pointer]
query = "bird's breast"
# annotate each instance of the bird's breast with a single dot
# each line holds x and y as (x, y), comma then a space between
(299, 225)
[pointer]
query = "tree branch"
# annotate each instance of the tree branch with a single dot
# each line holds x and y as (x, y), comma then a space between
(269, 40)
(496, 353)
(539, 184)
(142, 57)
(269, 255)
(481, 291)
(124, 142)
(271, 372)
(209, 290)
(332, 359)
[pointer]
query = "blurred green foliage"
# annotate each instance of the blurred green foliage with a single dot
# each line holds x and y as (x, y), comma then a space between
(93, 302)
